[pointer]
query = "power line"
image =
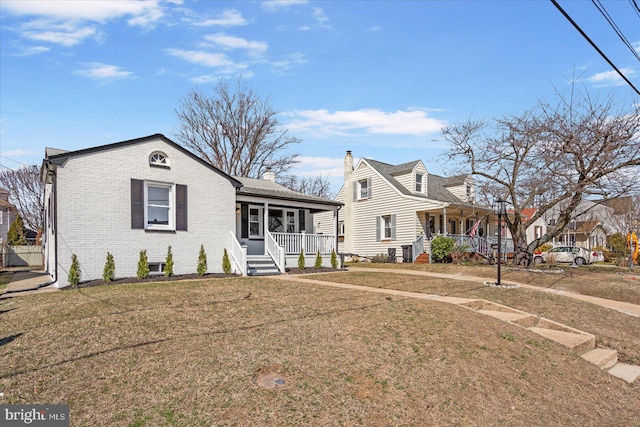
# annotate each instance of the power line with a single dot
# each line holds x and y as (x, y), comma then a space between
(14, 161)
(611, 22)
(577, 27)
(635, 7)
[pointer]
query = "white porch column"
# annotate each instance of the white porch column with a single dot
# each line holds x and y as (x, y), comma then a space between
(444, 222)
(265, 225)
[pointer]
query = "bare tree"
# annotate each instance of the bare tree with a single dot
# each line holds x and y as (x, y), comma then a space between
(552, 157)
(26, 192)
(234, 130)
(317, 186)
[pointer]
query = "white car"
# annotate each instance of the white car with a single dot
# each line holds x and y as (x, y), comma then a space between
(571, 254)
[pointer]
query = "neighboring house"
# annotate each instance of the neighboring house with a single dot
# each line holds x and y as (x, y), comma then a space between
(534, 230)
(396, 210)
(585, 234)
(8, 214)
(148, 194)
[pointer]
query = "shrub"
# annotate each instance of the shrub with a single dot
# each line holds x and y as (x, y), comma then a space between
(301, 263)
(202, 261)
(617, 244)
(318, 264)
(109, 270)
(74, 271)
(226, 263)
(441, 248)
(16, 235)
(143, 265)
(168, 265)
(380, 258)
(334, 259)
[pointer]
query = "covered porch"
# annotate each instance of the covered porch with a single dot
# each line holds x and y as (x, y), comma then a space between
(275, 224)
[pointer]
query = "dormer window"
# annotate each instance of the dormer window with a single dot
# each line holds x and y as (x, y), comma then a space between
(158, 159)
(419, 178)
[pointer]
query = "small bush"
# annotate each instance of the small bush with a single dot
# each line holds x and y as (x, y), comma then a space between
(441, 248)
(109, 271)
(168, 265)
(74, 271)
(16, 236)
(301, 263)
(226, 263)
(334, 259)
(143, 265)
(380, 259)
(318, 264)
(202, 261)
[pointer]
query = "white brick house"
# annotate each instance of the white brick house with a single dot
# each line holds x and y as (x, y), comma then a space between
(146, 194)
(102, 199)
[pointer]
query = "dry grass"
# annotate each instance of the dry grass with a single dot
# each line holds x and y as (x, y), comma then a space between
(189, 353)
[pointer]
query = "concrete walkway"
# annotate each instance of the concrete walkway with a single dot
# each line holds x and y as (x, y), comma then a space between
(623, 307)
(27, 283)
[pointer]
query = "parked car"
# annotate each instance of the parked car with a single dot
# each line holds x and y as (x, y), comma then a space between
(571, 254)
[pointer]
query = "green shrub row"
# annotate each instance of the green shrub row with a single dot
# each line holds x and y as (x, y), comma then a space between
(108, 273)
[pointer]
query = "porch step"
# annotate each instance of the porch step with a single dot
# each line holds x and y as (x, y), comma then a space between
(261, 265)
(422, 259)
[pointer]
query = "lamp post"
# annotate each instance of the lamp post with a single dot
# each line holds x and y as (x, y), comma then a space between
(499, 209)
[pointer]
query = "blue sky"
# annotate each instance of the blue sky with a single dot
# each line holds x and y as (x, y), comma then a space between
(379, 78)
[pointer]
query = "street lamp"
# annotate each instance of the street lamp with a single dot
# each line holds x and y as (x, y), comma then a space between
(499, 208)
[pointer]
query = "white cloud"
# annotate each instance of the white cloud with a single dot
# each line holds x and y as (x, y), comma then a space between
(104, 72)
(206, 59)
(320, 17)
(225, 41)
(213, 78)
(369, 120)
(74, 10)
(280, 4)
(65, 34)
(319, 166)
(611, 78)
(34, 50)
(228, 18)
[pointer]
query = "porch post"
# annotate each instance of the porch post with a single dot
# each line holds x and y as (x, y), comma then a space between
(335, 230)
(444, 223)
(265, 225)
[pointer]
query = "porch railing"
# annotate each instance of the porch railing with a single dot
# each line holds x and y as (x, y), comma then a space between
(293, 243)
(417, 247)
(239, 254)
(480, 244)
(275, 250)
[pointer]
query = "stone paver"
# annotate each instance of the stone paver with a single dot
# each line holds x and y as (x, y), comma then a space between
(629, 373)
(603, 358)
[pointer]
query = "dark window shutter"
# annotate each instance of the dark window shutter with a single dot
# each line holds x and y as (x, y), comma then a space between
(137, 203)
(369, 189)
(301, 220)
(244, 221)
(378, 220)
(354, 186)
(181, 207)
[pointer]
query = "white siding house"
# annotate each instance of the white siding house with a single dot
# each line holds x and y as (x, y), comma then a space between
(399, 208)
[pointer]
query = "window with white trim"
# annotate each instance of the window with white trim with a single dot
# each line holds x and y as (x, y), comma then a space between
(386, 220)
(158, 158)
(419, 178)
(159, 206)
(340, 228)
(255, 222)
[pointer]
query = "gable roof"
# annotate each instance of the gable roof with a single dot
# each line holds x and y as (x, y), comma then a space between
(54, 156)
(273, 190)
(436, 185)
